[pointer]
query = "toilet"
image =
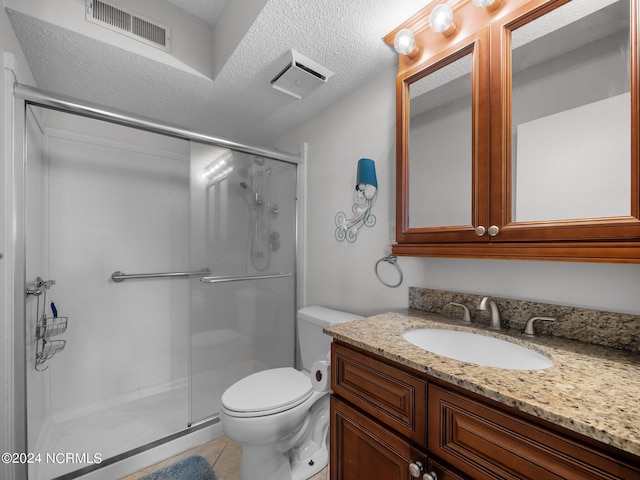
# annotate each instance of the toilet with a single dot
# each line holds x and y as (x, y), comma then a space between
(281, 416)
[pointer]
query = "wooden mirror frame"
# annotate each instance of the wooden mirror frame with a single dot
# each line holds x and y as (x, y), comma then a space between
(612, 240)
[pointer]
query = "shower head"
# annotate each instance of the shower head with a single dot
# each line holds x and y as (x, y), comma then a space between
(244, 185)
(258, 161)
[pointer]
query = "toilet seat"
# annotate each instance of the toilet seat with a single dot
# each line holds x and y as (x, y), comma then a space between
(267, 392)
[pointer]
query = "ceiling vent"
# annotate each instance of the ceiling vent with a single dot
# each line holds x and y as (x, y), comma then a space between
(297, 75)
(126, 22)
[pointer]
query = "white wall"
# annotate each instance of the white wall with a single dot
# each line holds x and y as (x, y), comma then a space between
(341, 275)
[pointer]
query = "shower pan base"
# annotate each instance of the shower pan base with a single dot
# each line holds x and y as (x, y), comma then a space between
(125, 435)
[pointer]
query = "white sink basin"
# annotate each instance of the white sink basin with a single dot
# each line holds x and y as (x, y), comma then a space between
(478, 349)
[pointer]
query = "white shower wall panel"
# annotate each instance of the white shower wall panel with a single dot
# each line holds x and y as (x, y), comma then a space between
(116, 206)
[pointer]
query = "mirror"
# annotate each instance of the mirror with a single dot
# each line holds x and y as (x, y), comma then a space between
(571, 113)
(440, 147)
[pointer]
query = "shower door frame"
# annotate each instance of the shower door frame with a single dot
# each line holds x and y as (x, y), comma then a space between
(19, 97)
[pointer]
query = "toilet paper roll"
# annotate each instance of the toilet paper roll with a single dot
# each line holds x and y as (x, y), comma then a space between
(320, 376)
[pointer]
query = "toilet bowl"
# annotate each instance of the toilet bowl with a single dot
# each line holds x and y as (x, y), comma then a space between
(280, 416)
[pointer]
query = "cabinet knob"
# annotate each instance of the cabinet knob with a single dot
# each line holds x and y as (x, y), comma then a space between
(415, 469)
(494, 230)
(480, 230)
(430, 476)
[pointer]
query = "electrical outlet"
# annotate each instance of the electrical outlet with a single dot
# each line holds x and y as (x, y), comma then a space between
(391, 233)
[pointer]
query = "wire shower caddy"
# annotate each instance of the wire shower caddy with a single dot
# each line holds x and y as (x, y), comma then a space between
(46, 327)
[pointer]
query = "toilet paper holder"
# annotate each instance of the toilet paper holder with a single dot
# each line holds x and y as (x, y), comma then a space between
(320, 376)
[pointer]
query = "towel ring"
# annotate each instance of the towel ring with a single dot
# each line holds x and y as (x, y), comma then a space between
(393, 261)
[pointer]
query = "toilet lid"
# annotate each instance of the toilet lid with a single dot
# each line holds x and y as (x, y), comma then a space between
(273, 390)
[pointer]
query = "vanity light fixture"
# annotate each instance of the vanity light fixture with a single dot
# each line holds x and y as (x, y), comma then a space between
(405, 43)
(441, 20)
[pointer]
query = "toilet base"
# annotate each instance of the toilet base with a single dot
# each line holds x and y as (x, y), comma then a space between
(298, 457)
(303, 470)
(264, 462)
(312, 455)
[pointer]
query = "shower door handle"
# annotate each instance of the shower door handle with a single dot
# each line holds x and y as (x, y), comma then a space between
(239, 278)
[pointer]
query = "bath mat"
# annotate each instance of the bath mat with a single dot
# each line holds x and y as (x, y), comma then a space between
(190, 468)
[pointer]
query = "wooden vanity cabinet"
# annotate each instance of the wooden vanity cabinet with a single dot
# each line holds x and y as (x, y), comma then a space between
(497, 184)
(385, 417)
(378, 419)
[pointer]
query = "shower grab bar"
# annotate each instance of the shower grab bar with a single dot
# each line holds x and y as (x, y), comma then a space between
(238, 278)
(121, 276)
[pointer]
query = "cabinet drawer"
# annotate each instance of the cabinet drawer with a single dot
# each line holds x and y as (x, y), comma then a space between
(391, 395)
(361, 448)
(486, 443)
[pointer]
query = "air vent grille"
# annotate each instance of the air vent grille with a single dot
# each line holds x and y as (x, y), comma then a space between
(311, 71)
(105, 13)
(128, 23)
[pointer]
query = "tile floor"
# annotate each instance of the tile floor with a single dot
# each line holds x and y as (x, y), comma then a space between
(223, 455)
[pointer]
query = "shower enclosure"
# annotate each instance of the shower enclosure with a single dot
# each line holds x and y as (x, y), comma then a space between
(159, 270)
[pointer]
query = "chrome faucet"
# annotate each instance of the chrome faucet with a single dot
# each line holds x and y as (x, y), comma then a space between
(488, 302)
(466, 318)
(529, 330)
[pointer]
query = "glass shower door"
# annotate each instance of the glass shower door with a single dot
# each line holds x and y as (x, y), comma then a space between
(122, 226)
(243, 228)
(102, 199)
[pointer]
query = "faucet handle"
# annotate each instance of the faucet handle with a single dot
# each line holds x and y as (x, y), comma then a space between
(467, 315)
(528, 329)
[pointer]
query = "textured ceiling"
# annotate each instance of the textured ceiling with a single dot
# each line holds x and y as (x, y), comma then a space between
(344, 36)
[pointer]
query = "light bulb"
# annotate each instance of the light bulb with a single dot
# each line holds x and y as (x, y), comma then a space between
(405, 42)
(441, 18)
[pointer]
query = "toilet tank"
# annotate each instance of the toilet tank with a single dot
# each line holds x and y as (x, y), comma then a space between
(314, 344)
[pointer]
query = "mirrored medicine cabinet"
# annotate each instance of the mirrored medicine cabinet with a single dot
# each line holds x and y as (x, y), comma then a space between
(517, 133)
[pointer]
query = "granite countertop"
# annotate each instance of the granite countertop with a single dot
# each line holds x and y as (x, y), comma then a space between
(592, 390)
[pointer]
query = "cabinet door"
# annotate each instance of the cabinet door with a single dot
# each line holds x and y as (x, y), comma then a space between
(565, 103)
(442, 140)
(363, 449)
(555, 134)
